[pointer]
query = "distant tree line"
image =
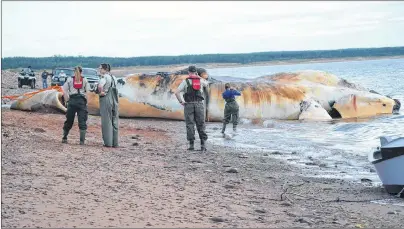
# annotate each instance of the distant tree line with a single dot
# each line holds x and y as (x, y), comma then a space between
(242, 58)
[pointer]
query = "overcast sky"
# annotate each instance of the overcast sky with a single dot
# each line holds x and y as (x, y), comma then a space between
(124, 29)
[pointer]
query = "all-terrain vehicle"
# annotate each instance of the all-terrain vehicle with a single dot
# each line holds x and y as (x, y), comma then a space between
(26, 77)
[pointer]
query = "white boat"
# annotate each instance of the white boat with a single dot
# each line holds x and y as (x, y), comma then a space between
(389, 164)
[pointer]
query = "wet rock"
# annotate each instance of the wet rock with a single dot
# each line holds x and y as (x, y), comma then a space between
(392, 213)
(286, 204)
(277, 153)
(294, 153)
(149, 143)
(310, 163)
(243, 156)
(301, 220)
(215, 128)
(226, 166)
(21, 211)
(135, 137)
(217, 219)
(5, 135)
(366, 180)
(149, 149)
(232, 170)
(265, 155)
(196, 161)
(322, 165)
(261, 211)
(135, 144)
(149, 225)
(229, 186)
(39, 130)
(372, 170)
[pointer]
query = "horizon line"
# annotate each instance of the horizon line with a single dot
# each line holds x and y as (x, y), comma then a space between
(311, 50)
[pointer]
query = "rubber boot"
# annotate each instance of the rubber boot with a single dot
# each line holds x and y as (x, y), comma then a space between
(191, 145)
(234, 128)
(223, 128)
(82, 136)
(203, 146)
(64, 139)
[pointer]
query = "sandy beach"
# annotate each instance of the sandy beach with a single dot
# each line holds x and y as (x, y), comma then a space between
(153, 181)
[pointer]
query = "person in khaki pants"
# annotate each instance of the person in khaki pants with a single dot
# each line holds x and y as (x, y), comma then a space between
(194, 107)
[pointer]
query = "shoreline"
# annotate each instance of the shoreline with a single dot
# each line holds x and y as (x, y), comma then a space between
(121, 71)
(153, 181)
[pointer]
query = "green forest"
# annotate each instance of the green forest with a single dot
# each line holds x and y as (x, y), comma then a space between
(242, 58)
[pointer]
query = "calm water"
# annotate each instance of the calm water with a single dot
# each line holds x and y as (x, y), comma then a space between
(342, 145)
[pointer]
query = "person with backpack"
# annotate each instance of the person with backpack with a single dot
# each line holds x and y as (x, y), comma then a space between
(109, 106)
(194, 107)
(75, 94)
(231, 109)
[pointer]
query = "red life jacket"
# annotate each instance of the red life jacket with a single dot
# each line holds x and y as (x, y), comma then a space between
(196, 82)
(77, 85)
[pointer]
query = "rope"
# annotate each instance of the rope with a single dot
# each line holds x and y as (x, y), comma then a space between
(30, 94)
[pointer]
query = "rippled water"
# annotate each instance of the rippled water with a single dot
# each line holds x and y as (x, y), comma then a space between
(342, 146)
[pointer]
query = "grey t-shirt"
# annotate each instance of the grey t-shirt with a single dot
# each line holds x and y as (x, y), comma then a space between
(105, 82)
(183, 86)
(69, 89)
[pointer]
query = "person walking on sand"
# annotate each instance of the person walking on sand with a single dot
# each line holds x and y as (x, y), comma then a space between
(108, 95)
(44, 79)
(74, 91)
(231, 109)
(194, 107)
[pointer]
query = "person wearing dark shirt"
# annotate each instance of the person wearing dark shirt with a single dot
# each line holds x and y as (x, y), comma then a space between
(231, 109)
(44, 79)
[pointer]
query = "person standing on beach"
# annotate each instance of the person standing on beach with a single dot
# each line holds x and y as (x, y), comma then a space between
(109, 106)
(231, 109)
(194, 107)
(44, 79)
(74, 91)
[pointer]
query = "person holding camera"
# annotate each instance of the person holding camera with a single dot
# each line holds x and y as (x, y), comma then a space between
(109, 106)
(75, 94)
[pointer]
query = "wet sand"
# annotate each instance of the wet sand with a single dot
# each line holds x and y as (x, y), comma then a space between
(153, 181)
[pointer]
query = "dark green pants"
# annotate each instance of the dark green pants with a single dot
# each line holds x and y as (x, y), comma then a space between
(195, 114)
(231, 111)
(77, 104)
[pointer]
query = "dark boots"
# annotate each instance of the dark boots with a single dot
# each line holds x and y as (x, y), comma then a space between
(235, 128)
(223, 128)
(191, 145)
(82, 136)
(65, 133)
(203, 145)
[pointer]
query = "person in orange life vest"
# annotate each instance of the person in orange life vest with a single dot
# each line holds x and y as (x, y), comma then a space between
(194, 107)
(75, 94)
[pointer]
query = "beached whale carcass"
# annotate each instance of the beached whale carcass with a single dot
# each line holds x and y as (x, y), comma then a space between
(299, 95)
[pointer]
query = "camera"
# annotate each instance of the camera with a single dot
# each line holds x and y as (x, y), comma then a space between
(94, 88)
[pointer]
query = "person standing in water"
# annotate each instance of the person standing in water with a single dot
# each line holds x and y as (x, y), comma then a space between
(231, 109)
(194, 107)
(108, 95)
(74, 91)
